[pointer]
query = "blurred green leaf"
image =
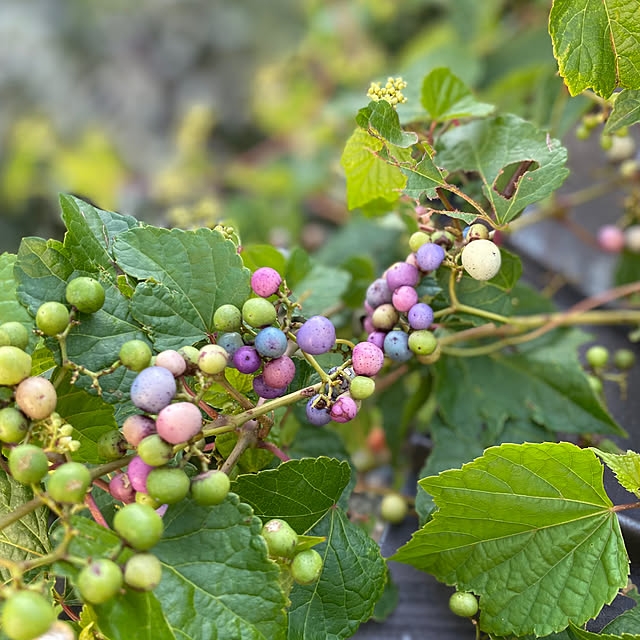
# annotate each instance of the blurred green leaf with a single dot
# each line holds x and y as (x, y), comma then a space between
(321, 289)
(298, 265)
(625, 112)
(255, 256)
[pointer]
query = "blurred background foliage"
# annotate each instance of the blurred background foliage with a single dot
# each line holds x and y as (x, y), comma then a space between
(199, 112)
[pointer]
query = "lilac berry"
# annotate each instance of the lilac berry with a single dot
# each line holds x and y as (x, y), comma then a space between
(318, 415)
(265, 281)
(317, 335)
(271, 342)
(137, 471)
(344, 408)
(367, 359)
(378, 293)
(153, 389)
(430, 256)
(179, 422)
(420, 316)
(404, 298)
(247, 360)
(401, 274)
(265, 391)
(120, 488)
(377, 338)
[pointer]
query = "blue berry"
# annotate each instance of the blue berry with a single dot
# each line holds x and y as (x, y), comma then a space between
(271, 342)
(430, 256)
(230, 342)
(153, 389)
(420, 316)
(396, 346)
(317, 335)
(318, 415)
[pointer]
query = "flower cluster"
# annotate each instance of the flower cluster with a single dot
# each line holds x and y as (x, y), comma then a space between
(391, 92)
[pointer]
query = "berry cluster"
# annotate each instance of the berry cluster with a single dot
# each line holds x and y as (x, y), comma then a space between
(613, 239)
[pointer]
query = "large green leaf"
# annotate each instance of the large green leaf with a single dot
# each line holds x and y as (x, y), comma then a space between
(543, 383)
(625, 112)
(10, 309)
(530, 529)
(27, 538)
(489, 146)
(90, 417)
(217, 579)
(424, 177)
(629, 620)
(369, 176)
(383, 118)
(321, 289)
(597, 44)
(186, 276)
(91, 233)
(626, 466)
(445, 97)
(352, 581)
(298, 491)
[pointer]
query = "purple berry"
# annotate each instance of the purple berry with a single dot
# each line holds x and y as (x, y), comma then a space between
(137, 427)
(265, 281)
(318, 415)
(230, 342)
(430, 256)
(401, 274)
(271, 342)
(420, 316)
(121, 489)
(265, 391)
(396, 346)
(317, 335)
(378, 292)
(280, 372)
(368, 308)
(404, 298)
(179, 422)
(367, 359)
(247, 360)
(377, 338)
(137, 471)
(172, 360)
(153, 389)
(344, 408)
(367, 325)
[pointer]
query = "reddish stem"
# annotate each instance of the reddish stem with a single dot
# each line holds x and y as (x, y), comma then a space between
(101, 484)
(95, 511)
(203, 405)
(70, 612)
(269, 446)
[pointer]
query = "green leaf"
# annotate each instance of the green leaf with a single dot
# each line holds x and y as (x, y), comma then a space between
(576, 633)
(186, 276)
(255, 256)
(510, 271)
(383, 118)
(298, 265)
(352, 581)
(530, 529)
(91, 234)
(388, 601)
(597, 44)
(543, 383)
(628, 268)
(368, 176)
(42, 360)
(424, 178)
(489, 146)
(251, 461)
(321, 289)
(313, 442)
(217, 580)
(628, 621)
(26, 538)
(446, 97)
(90, 417)
(298, 491)
(362, 272)
(10, 309)
(626, 111)
(626, 466)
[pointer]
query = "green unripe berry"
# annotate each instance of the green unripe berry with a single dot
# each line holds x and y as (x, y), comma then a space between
(52, 318)
(422, 342)
(210, 488)
(606, 142)
(227, 318)
(143, 572)
(99, 581)
(112, 445)
(5, 340)
(168, 485)
(393, 508)
(595, 383)
(417, 239)
(190, 354)
(85, 294)
(212, 359)
(17, 334)
(155, 451)
(15, 365)
(28, 464)
(281, 538)
(591, 120)
(477, 232)
(258, 312)
(597, 356)
(306, 566)
(430, 358)
(13, 425)
(150, 501)
(623, 359)
(139, 525)
(362, 387)
(582, 132)
(69, 483)
(135, 355)
(463, 604)
(26, 615)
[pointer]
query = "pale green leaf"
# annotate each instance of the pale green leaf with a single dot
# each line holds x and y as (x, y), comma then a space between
(490, 146)
(424, 177)
(217, 580)
(529, 528)
(597, 44)
(626, 466)
(625, 112)
(383, 118)
(186, 276)
(298, 491)
(446, 97)
(352, 581)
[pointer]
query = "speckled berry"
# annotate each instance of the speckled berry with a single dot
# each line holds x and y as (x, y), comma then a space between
(396, 346)
(265, 391)
(367, 359)
(317, 335)
(280, 372)
(344, 409)
(430, 256)
(385, 317)
(420, 316)
(179, 422)
(247, 360)
(271, 342)
(404, 298)
(265, 281)
(402, 274)
(137, 427)
(378, 293)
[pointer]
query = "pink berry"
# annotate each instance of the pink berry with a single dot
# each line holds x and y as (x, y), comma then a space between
(136, 428)
(412, 260)
(137, 471)
(367, 359)
(171, 360)
(121, 489)
(402, 273)
(368, 308)
(344, 409)
(610, 238)
(265, 281)
(367, 325)
(404, 298)
(179, 422)
(279, 373)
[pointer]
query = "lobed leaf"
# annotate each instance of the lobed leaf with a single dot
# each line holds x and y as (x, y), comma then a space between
(530, 529)
(425, 178)
(626, 467)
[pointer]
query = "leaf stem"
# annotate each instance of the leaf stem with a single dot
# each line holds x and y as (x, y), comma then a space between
(269, 446)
